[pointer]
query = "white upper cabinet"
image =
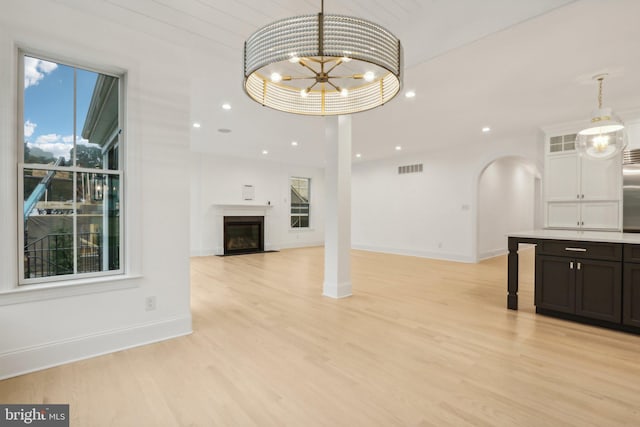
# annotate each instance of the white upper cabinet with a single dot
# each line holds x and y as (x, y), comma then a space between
(580, 192)
(601, 179)
(561, 178)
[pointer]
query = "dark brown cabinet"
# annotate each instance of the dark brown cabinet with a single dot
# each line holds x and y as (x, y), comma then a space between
(555, 283)
(631, 289)
(599, 290)
(594, 282)
(580, 278)
(584, 287)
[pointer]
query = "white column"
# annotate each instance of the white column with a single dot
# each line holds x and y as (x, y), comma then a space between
(337, 234)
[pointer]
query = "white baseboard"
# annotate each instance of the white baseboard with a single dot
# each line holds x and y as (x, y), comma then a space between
(29, 359)
(417, 253)
(293, 245)
(336, 290)
(491, 254)
(203, 252)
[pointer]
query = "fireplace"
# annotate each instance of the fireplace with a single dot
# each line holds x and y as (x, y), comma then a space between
(243, 234)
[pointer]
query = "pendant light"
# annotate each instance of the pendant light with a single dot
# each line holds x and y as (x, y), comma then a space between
(604, 137)
(322, 65)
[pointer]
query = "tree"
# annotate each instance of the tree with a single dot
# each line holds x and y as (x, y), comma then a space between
(36, 155)
(89, 156)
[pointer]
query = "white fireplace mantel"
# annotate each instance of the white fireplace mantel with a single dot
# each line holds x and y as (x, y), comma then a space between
(241, 205)
(241, 209)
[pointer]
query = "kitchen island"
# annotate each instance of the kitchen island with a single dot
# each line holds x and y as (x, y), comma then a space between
(587, 276)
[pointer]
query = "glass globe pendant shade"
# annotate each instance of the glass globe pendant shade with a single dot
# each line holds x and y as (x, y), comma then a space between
(604, 138)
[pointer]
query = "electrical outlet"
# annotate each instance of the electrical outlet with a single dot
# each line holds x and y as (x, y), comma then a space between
(150, 303)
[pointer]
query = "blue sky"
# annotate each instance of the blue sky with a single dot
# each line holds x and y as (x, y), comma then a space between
(48, 105)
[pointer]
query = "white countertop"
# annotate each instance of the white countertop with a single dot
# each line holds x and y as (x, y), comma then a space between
(587, 236)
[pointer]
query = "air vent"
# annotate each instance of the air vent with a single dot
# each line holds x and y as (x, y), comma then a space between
(410, 169)
(562, 143)
(631, 157)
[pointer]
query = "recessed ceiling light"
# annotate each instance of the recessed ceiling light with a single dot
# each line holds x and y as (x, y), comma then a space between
(486, 129)
(224, 130)
(398, 148)
(196, 125)
(358, 155)
(294, 143)
(410, 94)
(226, 106)
(265, 152)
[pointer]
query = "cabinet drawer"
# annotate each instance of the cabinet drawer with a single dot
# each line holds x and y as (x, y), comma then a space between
(631, 253)
(589, 250)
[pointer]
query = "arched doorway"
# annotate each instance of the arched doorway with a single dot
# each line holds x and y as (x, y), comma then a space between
(509, 200)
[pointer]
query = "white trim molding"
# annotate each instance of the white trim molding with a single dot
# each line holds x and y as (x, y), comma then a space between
(29, 359)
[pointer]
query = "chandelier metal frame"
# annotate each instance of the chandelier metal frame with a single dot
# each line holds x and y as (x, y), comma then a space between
(322, 65)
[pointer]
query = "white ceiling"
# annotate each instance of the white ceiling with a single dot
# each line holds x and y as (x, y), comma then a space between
(515, 65)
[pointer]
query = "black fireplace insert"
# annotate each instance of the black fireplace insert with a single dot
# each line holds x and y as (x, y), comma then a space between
(243, 234)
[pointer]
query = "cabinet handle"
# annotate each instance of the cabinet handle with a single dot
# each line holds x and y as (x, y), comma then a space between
(571, 265)
(582, 196)
(577, 196)
(575, 249)
(578, 223)
(579, 266)
(582, 223)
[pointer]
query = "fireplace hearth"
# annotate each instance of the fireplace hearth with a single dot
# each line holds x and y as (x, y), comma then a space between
(243, 234)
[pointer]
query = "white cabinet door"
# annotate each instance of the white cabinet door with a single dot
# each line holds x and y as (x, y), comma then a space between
(563, 215)
(601, 179)
(562, 177)
(601, 215)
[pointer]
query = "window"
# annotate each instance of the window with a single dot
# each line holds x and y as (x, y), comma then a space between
(69, 172)
(562, 143)
(300, 202)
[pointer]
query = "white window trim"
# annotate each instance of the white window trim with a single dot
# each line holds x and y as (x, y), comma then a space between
(71, 284)
(60, 289)
(308, 227)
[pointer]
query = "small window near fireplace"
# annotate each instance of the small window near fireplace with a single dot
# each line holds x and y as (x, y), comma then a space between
(300, 201)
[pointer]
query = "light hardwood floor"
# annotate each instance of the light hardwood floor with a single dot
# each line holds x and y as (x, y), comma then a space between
(421, 343)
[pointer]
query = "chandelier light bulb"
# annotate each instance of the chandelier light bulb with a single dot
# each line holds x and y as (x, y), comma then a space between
(304, 92)
(276, 77)
(344, 92)
(369, 76)
(294, 58)
(601, 142)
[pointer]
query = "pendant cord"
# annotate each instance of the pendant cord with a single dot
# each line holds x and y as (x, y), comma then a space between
(600, 93)
(322, 6)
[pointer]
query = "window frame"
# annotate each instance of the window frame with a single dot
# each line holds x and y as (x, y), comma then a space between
(21, 166)
(308, 215)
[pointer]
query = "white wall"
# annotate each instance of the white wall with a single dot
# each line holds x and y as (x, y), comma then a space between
(219, 180)
(431, 214)
(506, 203)
(47, 326)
